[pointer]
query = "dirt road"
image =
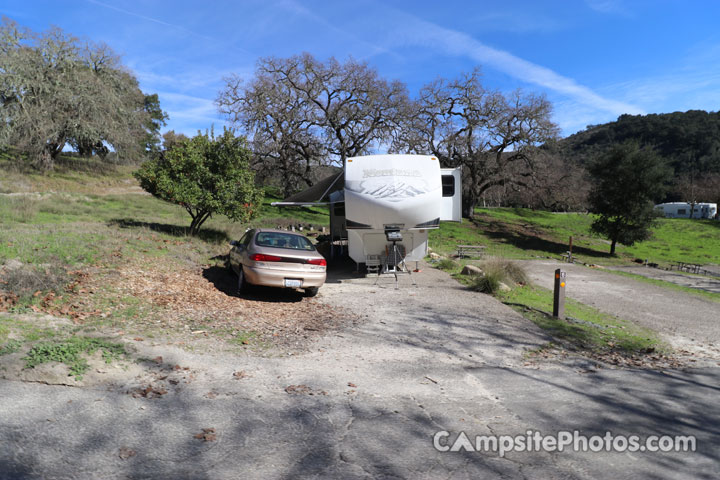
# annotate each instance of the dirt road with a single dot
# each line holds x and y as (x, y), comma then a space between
(364, 401)
(686, 321)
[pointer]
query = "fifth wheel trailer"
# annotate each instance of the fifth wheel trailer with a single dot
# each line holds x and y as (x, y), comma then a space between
(377, 194)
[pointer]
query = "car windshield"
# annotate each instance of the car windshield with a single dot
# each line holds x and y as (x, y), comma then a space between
(283, 240)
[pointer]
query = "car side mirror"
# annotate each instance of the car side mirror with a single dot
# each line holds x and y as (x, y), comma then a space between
(234, 243)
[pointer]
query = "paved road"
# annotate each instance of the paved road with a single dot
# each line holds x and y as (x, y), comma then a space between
(418, 361)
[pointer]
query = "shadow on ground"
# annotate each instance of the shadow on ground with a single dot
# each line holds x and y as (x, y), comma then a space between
(226, 281)
(207, 234)
(532, 240)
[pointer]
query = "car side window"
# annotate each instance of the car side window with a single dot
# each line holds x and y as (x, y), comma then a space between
(245, 240)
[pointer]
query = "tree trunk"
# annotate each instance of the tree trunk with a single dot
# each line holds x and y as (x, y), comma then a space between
(197, 222)
(468, 206)
(44, 161)
(612, 246)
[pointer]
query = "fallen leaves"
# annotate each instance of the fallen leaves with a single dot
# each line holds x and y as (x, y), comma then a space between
(148, 392)
(303, 390)
(7, 301)
(207, 435)
(124, 453)
(198, 299)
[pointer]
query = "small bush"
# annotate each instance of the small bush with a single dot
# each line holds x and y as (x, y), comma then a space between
(447, 264)
(515, 272)
(497, 271)
(488, 283)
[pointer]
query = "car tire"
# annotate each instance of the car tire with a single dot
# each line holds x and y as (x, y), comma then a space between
(242, 284)
(311, 291)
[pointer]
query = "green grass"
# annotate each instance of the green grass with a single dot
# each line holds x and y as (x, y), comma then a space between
(586, 328)
(72, 352)
(244, 338)
(11, 346)
(13, 329)
(523, 233)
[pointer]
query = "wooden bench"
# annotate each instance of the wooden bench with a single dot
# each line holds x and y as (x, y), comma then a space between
(470, 250)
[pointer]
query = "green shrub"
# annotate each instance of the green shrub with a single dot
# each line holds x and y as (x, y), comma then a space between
(447, 264)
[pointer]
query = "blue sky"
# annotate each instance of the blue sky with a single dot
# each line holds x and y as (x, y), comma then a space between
(594, 59)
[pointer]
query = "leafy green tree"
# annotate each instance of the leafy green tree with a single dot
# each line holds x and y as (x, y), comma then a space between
(206, 175)
(56, 90)
(626, 181)
(156, 119)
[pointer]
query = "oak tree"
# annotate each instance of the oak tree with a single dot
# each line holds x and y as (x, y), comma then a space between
(494, 137)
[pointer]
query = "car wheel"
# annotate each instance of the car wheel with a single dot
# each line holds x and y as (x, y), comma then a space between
(311, 291)
(242, 285)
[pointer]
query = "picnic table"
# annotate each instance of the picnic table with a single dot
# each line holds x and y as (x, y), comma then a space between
(470, 250)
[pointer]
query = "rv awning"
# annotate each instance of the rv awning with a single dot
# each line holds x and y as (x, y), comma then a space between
(318, 194)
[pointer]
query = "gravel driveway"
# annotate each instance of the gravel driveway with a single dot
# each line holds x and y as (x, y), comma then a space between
(364, 402)
(686, 321)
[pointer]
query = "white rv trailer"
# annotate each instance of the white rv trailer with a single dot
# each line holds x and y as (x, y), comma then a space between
(684, 210)
(409, 194)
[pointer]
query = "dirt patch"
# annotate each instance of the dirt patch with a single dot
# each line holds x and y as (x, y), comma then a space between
(54, 373)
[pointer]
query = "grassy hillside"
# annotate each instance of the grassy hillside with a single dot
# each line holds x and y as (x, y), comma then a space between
(92, 246)
(81, 198)
(523, 233)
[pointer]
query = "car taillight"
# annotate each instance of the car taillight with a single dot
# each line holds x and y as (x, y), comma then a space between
(318, 261)
(260, 257)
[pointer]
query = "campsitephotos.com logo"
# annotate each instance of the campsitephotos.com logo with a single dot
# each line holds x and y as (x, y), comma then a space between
(535, 441)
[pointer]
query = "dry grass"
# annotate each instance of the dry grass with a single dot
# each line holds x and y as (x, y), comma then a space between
(497, 271)
(24, 281)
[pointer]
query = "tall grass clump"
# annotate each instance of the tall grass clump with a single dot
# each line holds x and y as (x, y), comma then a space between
(497, 271)
(447, 264)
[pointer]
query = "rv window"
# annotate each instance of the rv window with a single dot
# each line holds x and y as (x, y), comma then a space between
(681, 211)
(448, 186)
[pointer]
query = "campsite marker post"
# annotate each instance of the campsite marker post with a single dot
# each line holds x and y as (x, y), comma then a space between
(559, 295)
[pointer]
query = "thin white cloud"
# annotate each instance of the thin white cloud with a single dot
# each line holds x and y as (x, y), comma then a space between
(299, 9)
(418, 32)
(150, 19)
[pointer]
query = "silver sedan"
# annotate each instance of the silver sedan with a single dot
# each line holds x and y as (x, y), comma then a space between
(277, 258)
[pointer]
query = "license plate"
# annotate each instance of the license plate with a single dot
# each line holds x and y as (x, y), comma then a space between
(293, 283)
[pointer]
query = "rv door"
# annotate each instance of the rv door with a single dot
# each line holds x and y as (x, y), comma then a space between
(451, 209)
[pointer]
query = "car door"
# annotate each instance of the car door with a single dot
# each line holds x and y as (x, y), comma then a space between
(239, 250)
